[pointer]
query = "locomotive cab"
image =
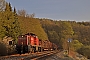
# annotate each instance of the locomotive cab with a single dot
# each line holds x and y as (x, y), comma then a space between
(28, 43)
(22, 44)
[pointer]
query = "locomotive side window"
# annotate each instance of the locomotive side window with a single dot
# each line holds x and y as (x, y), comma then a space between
(28, 41)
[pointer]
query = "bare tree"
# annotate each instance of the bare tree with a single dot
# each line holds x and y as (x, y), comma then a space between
(30, 15)
(25, 14)
(22, 13)
(2, 5)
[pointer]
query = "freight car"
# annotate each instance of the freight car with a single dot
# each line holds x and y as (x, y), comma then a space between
(31, 43)
(46, 45)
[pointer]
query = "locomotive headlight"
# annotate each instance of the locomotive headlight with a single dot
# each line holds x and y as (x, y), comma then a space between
(22, 36)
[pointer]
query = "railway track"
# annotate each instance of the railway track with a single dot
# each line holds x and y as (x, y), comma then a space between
(31, 56)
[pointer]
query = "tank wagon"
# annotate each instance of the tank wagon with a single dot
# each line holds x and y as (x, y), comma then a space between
(31, 43)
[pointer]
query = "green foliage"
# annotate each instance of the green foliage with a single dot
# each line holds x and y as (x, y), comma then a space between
(2, 30)
(67, 28)
(66, 33)
(76, 45)
(85, 50)
(9, 23)
(81, 32)
(53, 37)
(32, 25)
(58, 31)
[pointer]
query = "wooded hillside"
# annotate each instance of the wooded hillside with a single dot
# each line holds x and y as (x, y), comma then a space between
(32, 25)
(13, 24)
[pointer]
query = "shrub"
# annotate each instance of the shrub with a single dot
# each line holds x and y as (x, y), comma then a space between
(85, 50)
(3, 50)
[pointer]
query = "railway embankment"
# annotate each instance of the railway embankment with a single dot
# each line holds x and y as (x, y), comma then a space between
(62, 56)
(47, 55)
(58, 56)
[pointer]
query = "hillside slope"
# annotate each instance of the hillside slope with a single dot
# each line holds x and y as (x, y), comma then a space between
(32, 25)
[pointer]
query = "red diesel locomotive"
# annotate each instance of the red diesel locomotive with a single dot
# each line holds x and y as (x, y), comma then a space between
(30, 43)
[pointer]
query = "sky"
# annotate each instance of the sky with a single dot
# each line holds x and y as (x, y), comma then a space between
(72, 10)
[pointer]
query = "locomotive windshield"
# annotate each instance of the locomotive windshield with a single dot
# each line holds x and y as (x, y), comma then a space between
(22, 37)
